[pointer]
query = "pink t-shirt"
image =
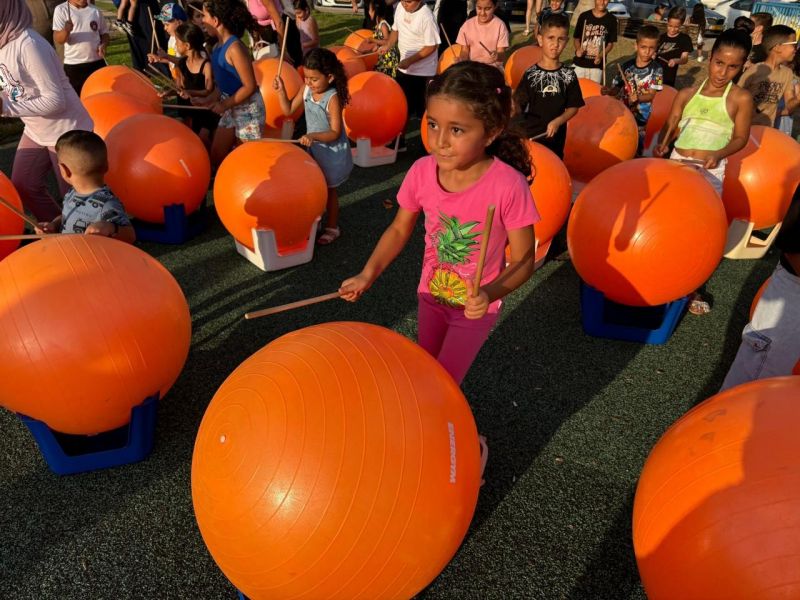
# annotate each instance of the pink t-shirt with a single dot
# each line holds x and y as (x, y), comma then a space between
(493, 35)
(454, 225)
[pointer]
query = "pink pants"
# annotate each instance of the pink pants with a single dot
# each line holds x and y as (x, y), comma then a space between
(450, 337)
(29, 176)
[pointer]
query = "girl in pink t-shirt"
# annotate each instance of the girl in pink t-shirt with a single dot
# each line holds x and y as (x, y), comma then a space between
(484, 37)
(475, 162)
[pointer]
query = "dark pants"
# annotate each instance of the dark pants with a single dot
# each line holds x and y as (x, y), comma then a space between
(414, 87)
(78, 74)
(141, 41)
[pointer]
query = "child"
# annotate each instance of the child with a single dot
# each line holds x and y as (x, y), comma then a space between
(172, 16)
(484, 37)
(674, 47)
(746, 24)
(468, 106)
(90, 207)
(711, 120)
(126, 14)
(762, 21)
(416, 35)
(641, 79)
(698, 17)
(771, 340)
(80, 26)
(595, 34)
(556, 7)
(772, 80)
(658, 13)
(306, 25)
(236, 96)
(549, 95)
(194, 73)
(380, 12)
(324, 96)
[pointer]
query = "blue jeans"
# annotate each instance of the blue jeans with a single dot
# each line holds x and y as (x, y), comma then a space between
(771, 340)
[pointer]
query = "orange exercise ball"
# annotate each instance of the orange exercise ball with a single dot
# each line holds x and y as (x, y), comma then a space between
(551, 190)
(361, 41)
(340, 461)
(377, 109)
(351, 61)
(716, 508)
(762, 177)
(519, 62)
(662, 104)
(155, 161)
(266, 69)
(646, 232)
(82, 373)
(123, 80)
(10, 224)
(796, 370)
(757, 297)
(602, 134)
(448, 57)
(423, 131)
(110, 108)
(588, 87)
(270, 185)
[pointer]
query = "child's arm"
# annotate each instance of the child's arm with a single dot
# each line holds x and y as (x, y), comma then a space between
(741, 128)
(424, 52)
(390, 43)
(61, 27)
(523, 249)
(208, 74)
(389, 246)
(162, 57)
(555, 124)
(124, 233)
(287, 108)
(53, 226)
(335, 120)
(577, 36)
(670, 128)
(104, 41)
(790, 99)
(244, 68)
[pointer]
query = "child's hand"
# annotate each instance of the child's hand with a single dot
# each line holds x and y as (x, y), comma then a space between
(403, 64)
(68, 27)
(671, 63)
(552, 127)
(712, 162)
(103, 228)
(633, 98)
(152, 58)
(277, 84)
(475, 307)
(306, 140)
(660, 150)
(598, 59)
(580, 52)
(351, 289)
(101, 50)
(45, 227)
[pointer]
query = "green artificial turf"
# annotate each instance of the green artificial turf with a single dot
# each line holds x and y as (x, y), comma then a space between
(569, 419)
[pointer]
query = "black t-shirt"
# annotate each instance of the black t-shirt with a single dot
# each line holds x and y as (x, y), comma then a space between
(544, 95)
(669, 48)
(593, 33)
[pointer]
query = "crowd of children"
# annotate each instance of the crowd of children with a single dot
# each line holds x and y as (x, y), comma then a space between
(471, 119)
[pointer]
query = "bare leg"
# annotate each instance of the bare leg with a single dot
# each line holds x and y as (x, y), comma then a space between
(528, 11)
(224, 140)
(132, 11)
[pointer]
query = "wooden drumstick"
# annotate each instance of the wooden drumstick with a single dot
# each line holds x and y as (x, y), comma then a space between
(487, 228)
(292, 305)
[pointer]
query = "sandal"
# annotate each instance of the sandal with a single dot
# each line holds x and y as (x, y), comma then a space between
(698, 306)
(331, 234)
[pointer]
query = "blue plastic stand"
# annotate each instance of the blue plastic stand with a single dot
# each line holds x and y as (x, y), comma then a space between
(68, 454)
(177, 228)
(644, 324)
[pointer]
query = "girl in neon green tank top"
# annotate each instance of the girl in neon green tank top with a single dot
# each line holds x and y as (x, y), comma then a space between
(711, 121)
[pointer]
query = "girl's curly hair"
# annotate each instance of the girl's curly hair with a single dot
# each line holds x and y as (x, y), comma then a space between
(483, 88)
(233, 14)
(325, 61)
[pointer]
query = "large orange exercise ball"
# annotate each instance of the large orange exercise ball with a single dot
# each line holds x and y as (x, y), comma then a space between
(717, 507)
(551, 190)
(340, 461)
(662, 104)
(423, 131)
(361, 41)
(10, 224)
(448, 57)
(155, 161)
(266, 69)
(351, 61)
(602, 134)
(270, 185)
(377, 109)
(762, 177)
(111, 108)
(122, 80)
(646, 232)
(129, 340)
(518, 63)
(588, 87)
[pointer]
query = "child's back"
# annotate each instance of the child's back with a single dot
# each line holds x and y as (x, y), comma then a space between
(767, 85)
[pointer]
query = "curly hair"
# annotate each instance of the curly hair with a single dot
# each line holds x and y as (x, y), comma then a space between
(325, 61)
(233, 15)
(483, 88)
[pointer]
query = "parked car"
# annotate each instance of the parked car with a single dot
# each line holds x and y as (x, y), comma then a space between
(619, 10)
(732, 9)
(715, 22)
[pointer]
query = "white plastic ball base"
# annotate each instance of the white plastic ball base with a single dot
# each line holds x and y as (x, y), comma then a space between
(742, 244)
(265, 254)
(365, 155)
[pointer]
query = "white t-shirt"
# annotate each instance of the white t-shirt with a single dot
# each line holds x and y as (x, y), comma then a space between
(36, 90)
(415, 31)
(88, 25)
